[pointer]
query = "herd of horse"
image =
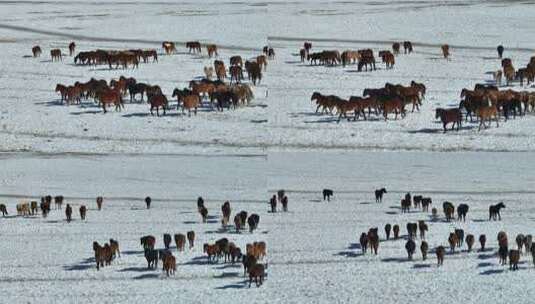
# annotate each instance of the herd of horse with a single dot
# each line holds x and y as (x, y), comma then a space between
(364, 58)
(251, 258)
(216, 92)
(112, 93)
(392, 98)
(456, 239)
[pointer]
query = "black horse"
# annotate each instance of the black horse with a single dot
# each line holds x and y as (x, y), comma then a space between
(327, 193)
(253, 222)
(500, 50)
(379, 195)
(494, 211)
(462, 210)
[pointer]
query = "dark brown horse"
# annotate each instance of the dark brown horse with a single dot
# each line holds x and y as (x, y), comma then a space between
(447, 116)
(36, 51)
(194, 46)
(158, 101)
(72, 47)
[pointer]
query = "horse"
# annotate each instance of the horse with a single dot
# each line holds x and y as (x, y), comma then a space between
(257, 272)
(204, 213)
(189, 102)
(157, 101)
(405, 205)
(151, 256)
(379, 195)
(56, 55)
(303, 54)
(62, 90)
(68, 213)
(327, 193)
(412, 228)
(236, 74)
(262, 61)
(110, 97)
(440, 251)
(410, 246)
(194, 46)
(407, 46)
(253, 221)
(180, 241)
(72, 47)
(520, 242)
(424, 248)
(462, 210)
(169, 47)
(101, 254)
(449, 209)
(166, 240)
(494, 211)
(248, 261)
(271, 53)
(208, 72)
(225, 209)
(388, 228)
(422, 226)
(373, 239)
(148, 242)
(236, 60)
(460, 237)
(447, 116)
(349, 57)
(254, 71)
(482, 241)
(169, 264)
(487, 113)
(395, 48)
(395, 229)
(453, 241)
(445, 51)
(211, 49)
(393, 105)
(500, 50)
(148, 201)
(36, 51)
(514, 258)
(426, 201)
(191, 238)
(307, 46)
(3, 209)
(83, 210)
(363, 241)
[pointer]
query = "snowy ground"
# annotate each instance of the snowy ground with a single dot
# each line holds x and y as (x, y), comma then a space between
(246, 155)
(313, 254)
(32, 120)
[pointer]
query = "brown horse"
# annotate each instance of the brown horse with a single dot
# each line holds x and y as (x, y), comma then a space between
(190, 102)
(169, 264)
(62, 90)
(440, 251)
(236, 60)
(56, 55)
(99, 202)
(447, 116)
(349, 57)
(254, 70)
(303, 54)
(72, 47)
(393, 105)
(169, 47)
(180, 241)
(445, 51)
(36, 51)
(110, 97)
(262, 61)
(191, 238)
(83, 211)
(236, 74)
(395, 48)
(156, 101)
(211, 49)
(487, 113)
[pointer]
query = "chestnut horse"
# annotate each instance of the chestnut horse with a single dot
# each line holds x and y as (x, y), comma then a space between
(447, 116)
(111, 97)
(212, 50)
(169, 47)
(156, 101)
(487, 113)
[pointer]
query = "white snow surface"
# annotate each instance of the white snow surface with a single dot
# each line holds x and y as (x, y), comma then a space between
(32, 120)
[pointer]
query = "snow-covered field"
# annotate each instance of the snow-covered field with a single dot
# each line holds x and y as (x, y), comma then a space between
(32, 120)
(313, 255)
(245, 155)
